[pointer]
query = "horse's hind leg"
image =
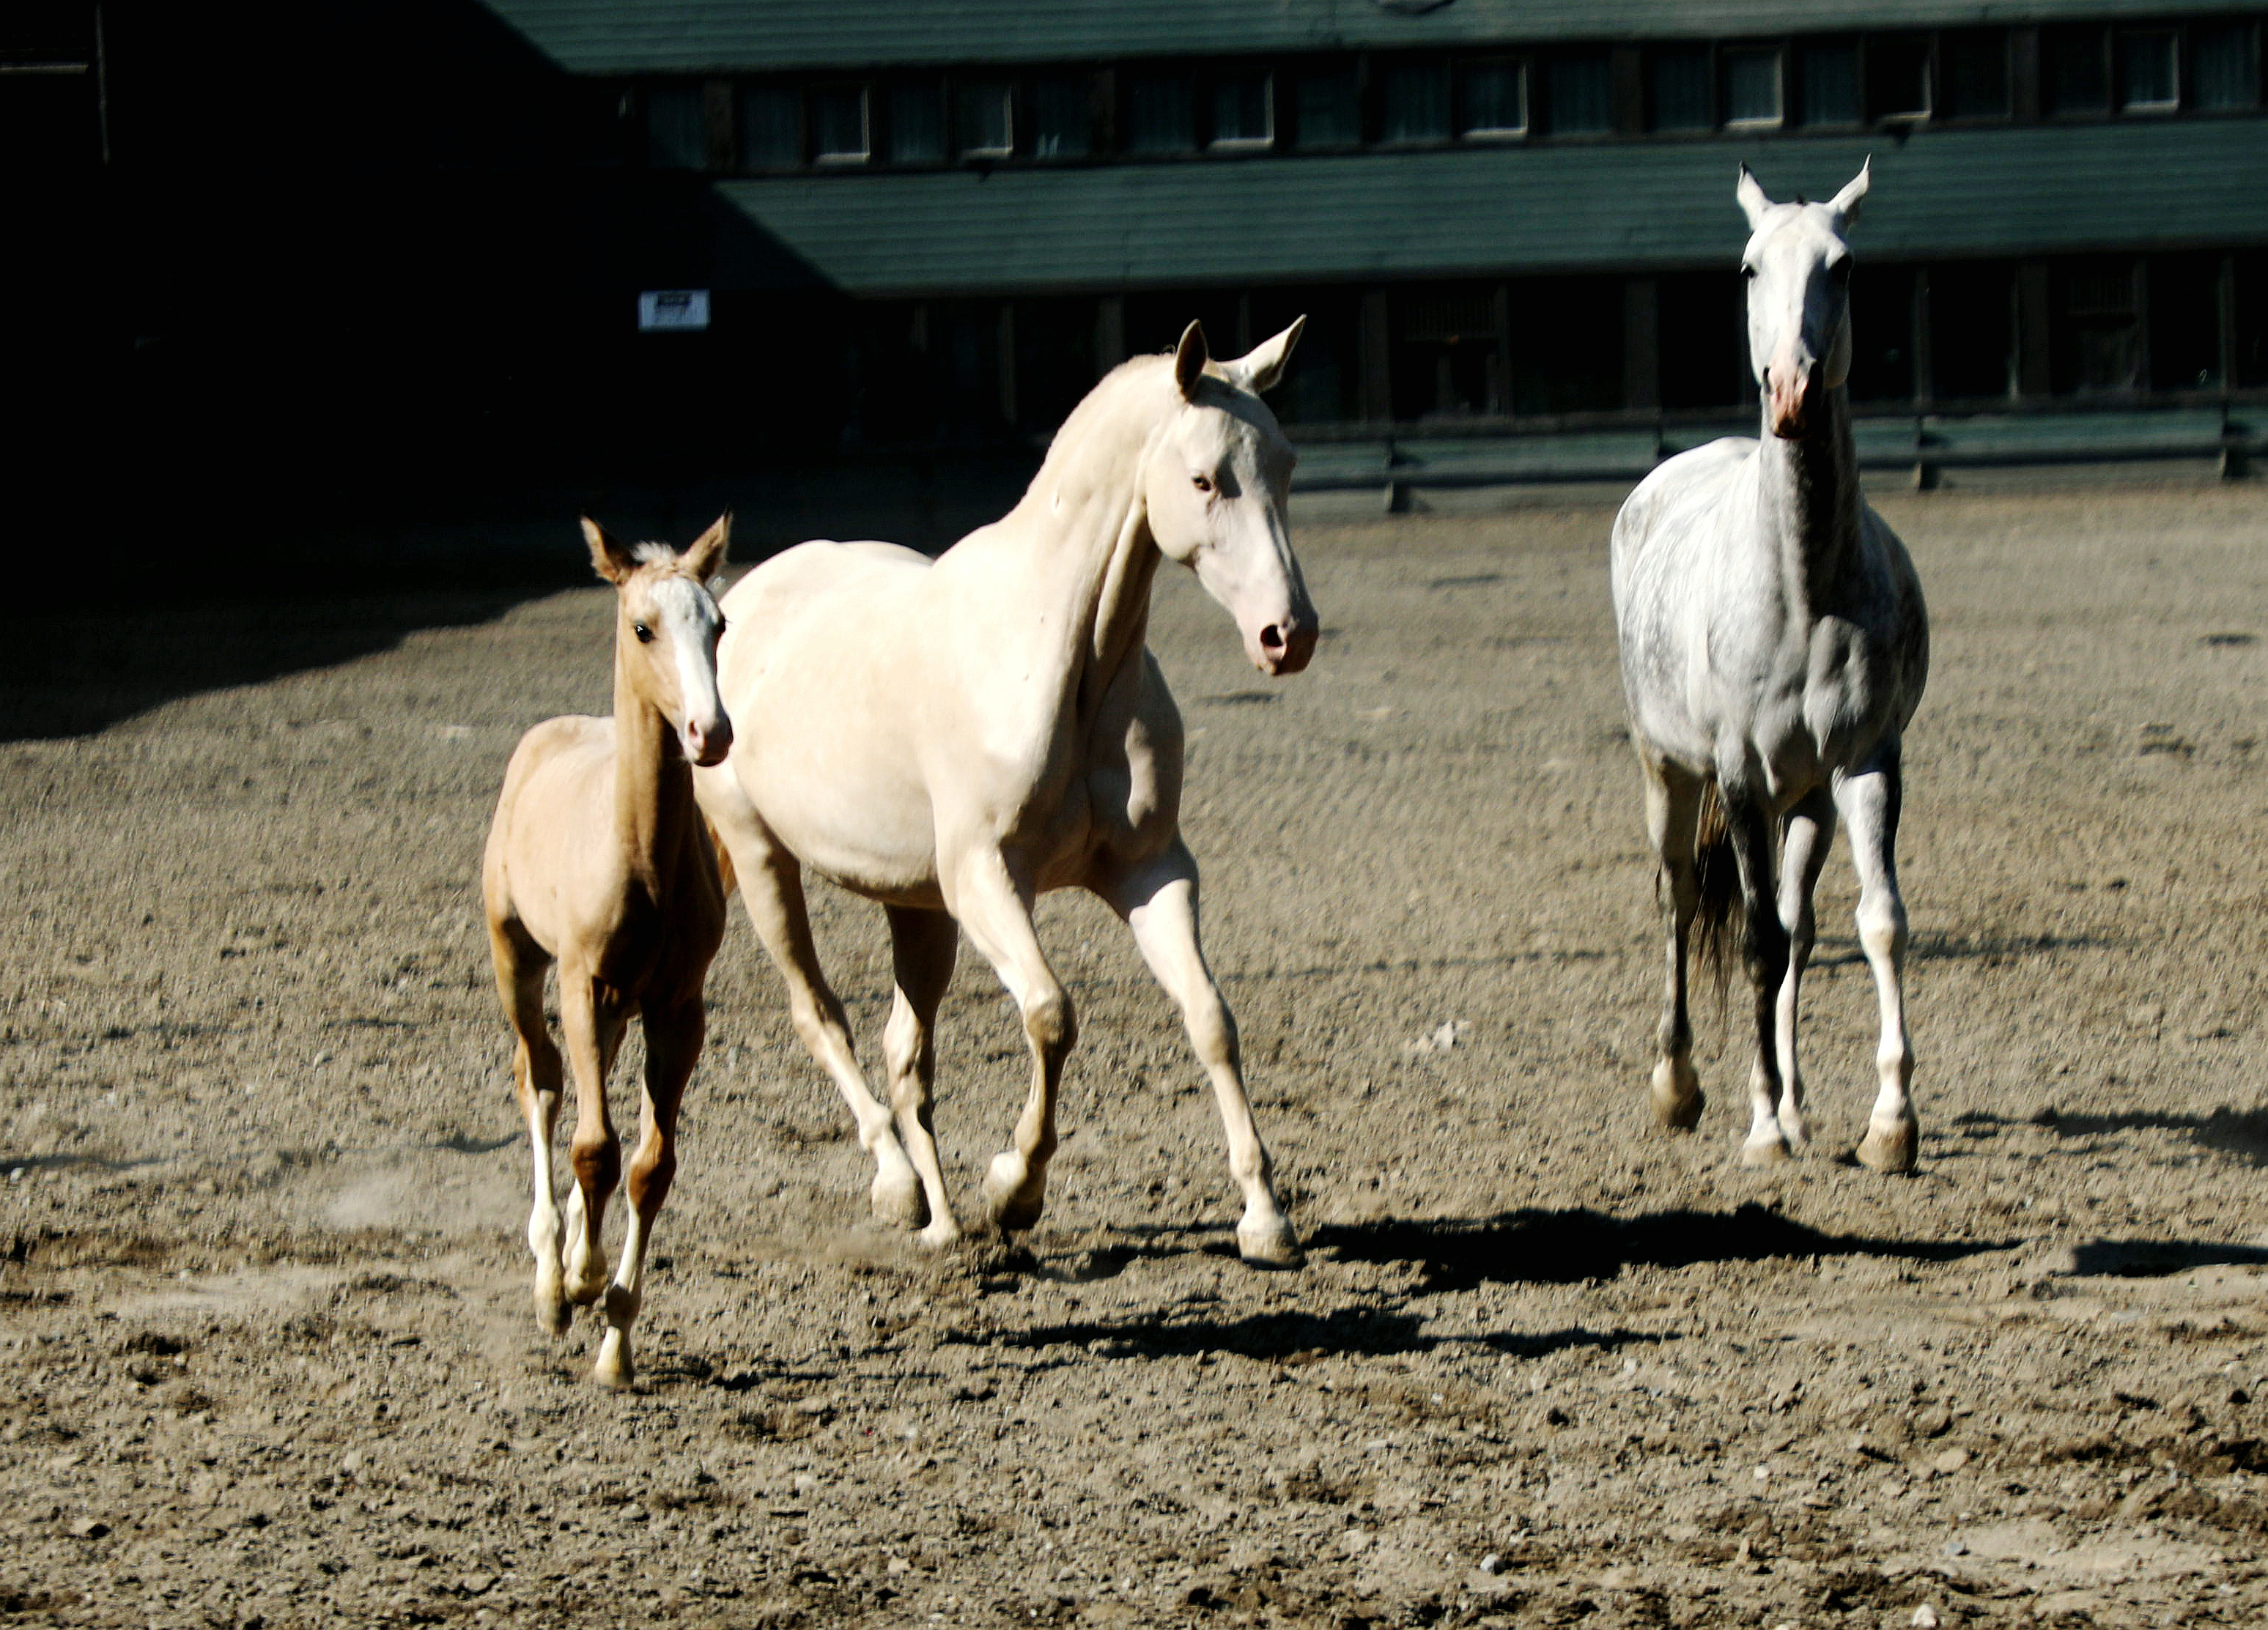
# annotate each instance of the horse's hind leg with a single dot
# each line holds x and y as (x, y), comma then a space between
(1160, 903)
(771, 886)
(923, 945)
(1750, 828)
(1673, 806)
(1805, 839)
(1869, 803)
(673, 1043)
(520, 965)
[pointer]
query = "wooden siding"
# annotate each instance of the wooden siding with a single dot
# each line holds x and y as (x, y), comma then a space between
(698, 36)
(1627, 208)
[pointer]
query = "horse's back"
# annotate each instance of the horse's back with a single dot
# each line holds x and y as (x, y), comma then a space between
(1661, 511)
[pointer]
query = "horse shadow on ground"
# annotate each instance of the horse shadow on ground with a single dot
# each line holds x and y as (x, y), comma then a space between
(2242, 1133)
(1512, 1248)
(2159, 1259)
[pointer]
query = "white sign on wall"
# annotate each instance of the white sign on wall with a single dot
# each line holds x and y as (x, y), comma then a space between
(681, 310)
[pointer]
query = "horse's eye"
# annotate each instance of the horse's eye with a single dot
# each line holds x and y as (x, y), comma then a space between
(1202, 483)
(645, 634)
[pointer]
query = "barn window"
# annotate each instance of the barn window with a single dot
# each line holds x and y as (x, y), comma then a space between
(2224, 66)
(1973, 73)
(771, 126)
(1897, 76)
(1160, 114)
(1582, 93)
(1416, 103)
(1677, 90)
(676, 131)
(918, 123)
(2078, 77)
(1496, 98)
(988, 118)
(1243, 112)
(1327, 108)
(1063, 117)
(838, 124)
(1752, 88)
(2149, 71)
(1829, 72)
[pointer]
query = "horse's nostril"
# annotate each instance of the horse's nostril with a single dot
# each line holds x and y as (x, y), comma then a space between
(1271, 637)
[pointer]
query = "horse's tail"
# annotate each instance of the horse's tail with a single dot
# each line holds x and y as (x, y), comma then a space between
(1719, 920)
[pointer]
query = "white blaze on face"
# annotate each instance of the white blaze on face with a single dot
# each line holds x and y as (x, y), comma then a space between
(691, 623)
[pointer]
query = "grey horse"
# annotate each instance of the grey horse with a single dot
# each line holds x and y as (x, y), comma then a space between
(1774, 647)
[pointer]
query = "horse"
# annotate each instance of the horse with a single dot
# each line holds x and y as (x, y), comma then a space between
(953, 738)
(1774, 649)
(598, 860)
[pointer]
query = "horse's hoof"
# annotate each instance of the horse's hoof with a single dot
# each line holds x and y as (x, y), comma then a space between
(1676, 1096)
(614, 1368)
(1011, 1194)
(941, 1235)
(1890, 1148)
(897, 1199)
(1270, 1243)
(552, 1311)
(1764, 1152)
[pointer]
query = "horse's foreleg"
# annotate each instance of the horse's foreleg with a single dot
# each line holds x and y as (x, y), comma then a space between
(1160, 903)
(997, 916)
(922, 946)
(1804, 841)
(594, 1024)
(672, 1044)
(1673, 803)
(1869, 803)
(535, 1079)
(1764, 948)
(771, 886)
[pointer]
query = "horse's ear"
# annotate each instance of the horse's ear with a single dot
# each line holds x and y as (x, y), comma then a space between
(1846, 203)
(706, 553)
(1753, 202)
(609, 558)
(1190, 359)
(1260, 367)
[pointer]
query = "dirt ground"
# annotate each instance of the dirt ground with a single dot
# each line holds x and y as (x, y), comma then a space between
(268, 1355)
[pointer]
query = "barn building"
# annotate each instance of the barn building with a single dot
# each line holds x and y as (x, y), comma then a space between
(687, 233)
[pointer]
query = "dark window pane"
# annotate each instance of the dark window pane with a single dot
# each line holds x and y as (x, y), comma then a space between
(1972, 332)
(1496, 98)
(1447, 362)
(988, 126)
(838, 124)
(1973, 75)
(1160, 114)
(1241, 111)
(2094, 337)
(1416, 102)
(1582, 94)
(1830, 83)
(1324, 383)
(1678, 83)
(2185, 322)
(1155, 322)
(1063, 117)
(1055, 359)
(2076, 79)
(1329, 109)
(2224, 66)
(1881, 333)
(2148, 78)
(2251, 320)
(1897, 76)
(1574, 362)
(1752, 87)
(676, 133)
(1704, 340)
(771, 128)
(918, 123)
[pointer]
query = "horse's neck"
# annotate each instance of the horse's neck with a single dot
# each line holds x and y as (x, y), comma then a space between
(653, 788)
(1808, 501)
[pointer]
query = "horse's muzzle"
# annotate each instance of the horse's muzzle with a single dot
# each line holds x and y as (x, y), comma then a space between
(1286, 647)
(707, 745)
(1792, 391)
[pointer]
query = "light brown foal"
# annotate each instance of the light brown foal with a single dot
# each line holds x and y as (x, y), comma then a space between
(598, 860)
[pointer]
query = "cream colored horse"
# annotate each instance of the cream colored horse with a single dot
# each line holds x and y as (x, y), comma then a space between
(598, 860)
(954, 739)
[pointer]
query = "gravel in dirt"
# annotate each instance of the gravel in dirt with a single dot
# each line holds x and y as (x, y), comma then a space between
(267, 1353)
